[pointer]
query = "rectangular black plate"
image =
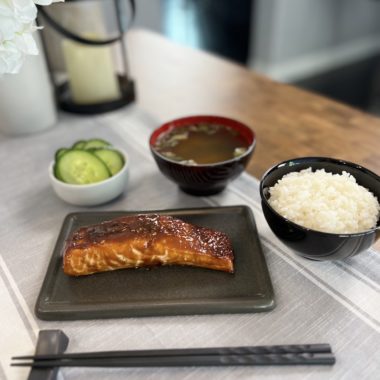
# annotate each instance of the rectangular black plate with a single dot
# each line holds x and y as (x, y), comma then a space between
(172, 290)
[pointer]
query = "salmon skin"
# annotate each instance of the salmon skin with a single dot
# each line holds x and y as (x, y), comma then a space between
(145, 240)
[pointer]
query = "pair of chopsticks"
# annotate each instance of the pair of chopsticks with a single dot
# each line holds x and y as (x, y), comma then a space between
(319, 354)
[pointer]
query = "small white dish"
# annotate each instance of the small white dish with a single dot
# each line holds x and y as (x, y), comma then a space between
(95, 193)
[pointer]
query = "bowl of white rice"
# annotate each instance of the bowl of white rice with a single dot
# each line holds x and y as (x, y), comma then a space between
(322, 208)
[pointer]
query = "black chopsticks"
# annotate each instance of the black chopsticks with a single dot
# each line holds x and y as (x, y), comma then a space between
(320, 354)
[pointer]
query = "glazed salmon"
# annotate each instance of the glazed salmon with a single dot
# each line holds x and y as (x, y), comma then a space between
(145, 241)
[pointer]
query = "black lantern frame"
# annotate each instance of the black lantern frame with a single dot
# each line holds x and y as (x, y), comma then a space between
(126, 86)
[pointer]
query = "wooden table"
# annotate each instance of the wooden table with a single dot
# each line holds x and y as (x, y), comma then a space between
(173, 80)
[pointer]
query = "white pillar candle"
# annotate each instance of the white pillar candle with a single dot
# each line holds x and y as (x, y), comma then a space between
(91, 73)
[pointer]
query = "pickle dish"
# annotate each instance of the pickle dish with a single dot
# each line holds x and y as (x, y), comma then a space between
(99, 185)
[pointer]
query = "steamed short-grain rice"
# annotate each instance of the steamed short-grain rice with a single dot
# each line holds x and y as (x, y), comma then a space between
(325, 202)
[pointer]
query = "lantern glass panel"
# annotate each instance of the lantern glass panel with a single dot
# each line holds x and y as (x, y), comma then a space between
(86, 52)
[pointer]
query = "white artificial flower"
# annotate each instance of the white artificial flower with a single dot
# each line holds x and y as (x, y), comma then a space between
(16, 25)
(21, 11)
(25, 42)
(11, 59)
(13, 15)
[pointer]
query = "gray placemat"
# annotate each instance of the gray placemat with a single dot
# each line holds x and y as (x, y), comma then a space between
(329, 302)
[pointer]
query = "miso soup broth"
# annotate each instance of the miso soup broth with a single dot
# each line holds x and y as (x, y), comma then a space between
(201, 144)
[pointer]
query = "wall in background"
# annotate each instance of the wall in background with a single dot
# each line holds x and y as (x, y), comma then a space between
(221, 27)
(295, 39)
(149, 15)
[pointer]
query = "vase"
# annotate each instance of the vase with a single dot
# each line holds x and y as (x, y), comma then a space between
(26, 99)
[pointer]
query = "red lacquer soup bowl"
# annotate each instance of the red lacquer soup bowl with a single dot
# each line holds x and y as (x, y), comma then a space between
(203, 179)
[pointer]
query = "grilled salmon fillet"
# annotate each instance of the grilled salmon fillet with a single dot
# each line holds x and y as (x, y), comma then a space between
(145, 241)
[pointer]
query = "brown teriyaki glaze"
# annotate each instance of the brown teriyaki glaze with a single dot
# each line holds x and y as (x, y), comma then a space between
(146, 240)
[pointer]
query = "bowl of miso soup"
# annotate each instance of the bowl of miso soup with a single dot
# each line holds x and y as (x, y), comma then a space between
(202, 154)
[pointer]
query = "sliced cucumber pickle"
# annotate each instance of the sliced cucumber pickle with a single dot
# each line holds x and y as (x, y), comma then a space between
(80, 167)
(60, 152)
(96, 143)
(112, 158)
(79, 144)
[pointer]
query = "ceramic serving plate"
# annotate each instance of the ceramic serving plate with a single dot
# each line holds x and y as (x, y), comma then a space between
(161, 291)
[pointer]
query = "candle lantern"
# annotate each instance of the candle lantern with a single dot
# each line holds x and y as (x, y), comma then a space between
(86, 53)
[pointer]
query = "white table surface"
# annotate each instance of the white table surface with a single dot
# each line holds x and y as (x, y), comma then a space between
(334, 302)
